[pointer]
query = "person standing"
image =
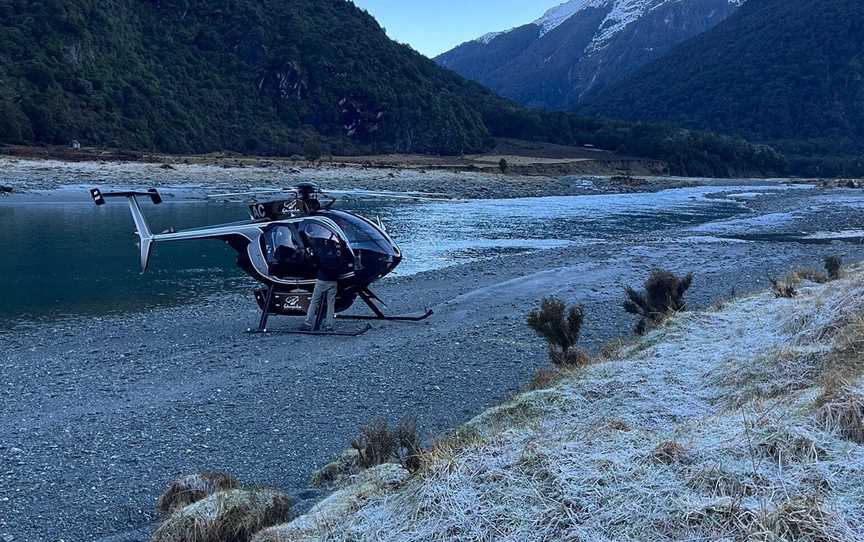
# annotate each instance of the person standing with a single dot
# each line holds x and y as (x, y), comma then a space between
(328, 261)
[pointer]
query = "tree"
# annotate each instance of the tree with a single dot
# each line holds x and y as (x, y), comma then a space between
(312, 149)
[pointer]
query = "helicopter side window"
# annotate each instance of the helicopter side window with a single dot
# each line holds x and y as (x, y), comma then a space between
(283, 250)
(316, 231)
(279, 240)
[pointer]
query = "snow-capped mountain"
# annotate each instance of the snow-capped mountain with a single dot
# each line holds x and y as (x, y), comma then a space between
(577, 49)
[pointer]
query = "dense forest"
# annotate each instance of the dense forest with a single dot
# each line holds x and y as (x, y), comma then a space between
(265, 76)
(789, 73)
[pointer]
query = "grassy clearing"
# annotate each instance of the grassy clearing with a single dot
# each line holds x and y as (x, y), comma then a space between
(742, 423)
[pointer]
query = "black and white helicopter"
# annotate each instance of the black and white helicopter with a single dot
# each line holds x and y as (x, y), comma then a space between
(275, 248)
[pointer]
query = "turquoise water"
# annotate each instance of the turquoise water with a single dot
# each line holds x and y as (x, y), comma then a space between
(70, 258)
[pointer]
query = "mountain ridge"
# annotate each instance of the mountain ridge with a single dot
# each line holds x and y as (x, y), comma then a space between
(579, 48)
(788, 73)
(268, 76)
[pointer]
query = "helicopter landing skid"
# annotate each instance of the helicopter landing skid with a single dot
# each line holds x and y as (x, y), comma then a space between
(369, 298)
(355, 333)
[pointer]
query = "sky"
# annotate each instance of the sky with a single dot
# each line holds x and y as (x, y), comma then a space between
(435, 26)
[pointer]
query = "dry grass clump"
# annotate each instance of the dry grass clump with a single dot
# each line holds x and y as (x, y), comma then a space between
(720, 482)
(786, 288)
(833, 271)
(844, 415)
(227, 516)
(723, 516)
(189, 489)
(378, 444)
(799, 519)
(545, 378)
(785, 445)
(662, 295)
(561, 327)
(618, 425)
(808, 274)
(770, 375)
(847, 357)
(668, 452)
(343, 467)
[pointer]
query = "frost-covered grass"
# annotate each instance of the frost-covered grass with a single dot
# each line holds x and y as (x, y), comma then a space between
(742, 423)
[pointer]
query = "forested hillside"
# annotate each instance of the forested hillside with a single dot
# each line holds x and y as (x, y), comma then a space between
(265, 76)
(786, 72)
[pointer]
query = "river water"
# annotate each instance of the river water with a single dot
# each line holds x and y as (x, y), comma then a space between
(65, 257)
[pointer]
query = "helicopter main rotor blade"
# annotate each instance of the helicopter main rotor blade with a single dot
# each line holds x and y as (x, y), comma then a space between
(254, 193)
(368, 194)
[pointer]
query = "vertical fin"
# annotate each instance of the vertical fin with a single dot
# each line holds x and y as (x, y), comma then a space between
(143, 232)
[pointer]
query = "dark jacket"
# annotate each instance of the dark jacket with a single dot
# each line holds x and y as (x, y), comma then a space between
(329, 260)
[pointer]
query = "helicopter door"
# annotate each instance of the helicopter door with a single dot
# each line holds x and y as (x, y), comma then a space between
(283, 250)
(316, 232)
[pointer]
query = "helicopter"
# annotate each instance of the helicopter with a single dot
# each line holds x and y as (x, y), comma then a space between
(276, 244)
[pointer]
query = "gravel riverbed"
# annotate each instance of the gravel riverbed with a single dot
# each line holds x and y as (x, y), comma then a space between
(97, 414)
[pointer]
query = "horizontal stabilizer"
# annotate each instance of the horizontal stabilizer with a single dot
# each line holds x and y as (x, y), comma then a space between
(99, 196)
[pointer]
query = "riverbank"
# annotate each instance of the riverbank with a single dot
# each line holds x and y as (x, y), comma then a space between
(743, 422)
(97, 414)
(476, 177)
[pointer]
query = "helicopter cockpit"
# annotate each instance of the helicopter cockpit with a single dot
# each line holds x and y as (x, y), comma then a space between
(288, 248)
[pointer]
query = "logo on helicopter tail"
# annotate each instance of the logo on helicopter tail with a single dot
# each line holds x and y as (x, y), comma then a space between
(276, 210)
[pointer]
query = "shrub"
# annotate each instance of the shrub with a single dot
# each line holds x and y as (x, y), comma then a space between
(561, 328)
(834, 266)
(663, 295)
(189, 489)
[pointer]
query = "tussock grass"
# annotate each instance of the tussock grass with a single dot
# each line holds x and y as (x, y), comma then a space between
(845, 415)
(811, 275)
(799, 519)
(544, 379)
(668, 452)
(342, 468)
(189, 489)
(378, 444)
(227, 516)
(785, 287)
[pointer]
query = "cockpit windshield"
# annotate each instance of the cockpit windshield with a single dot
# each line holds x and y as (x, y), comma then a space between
(361, 234)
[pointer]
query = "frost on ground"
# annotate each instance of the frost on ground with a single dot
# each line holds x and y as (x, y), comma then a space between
(742, 423)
